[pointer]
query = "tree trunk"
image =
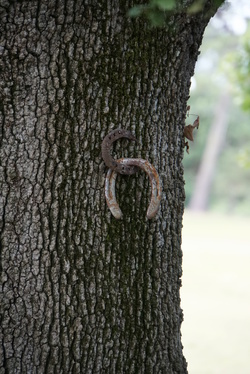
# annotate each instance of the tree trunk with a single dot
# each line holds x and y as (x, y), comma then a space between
(81, 291)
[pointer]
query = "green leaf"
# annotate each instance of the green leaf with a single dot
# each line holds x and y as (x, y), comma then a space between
(164, 4)
(136, 11)
(218, 3)
(156, 17)
(196, 7)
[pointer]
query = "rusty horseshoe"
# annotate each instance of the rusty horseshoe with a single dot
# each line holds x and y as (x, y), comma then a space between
(110, 162)
(156, 188)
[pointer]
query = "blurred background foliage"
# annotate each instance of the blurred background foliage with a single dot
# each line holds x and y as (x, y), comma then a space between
(216, 246)
(223, 69)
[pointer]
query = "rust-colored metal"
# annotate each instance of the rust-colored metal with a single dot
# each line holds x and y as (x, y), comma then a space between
(156, 189)
(110, 162)
(110, 194)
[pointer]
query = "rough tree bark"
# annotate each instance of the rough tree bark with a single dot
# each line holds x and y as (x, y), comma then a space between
(81, 291)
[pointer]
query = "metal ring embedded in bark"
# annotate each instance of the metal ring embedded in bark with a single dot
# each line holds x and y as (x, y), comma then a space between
(154, 180)
(106, 155)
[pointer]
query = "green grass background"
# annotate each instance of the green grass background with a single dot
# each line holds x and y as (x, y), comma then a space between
(216, 293)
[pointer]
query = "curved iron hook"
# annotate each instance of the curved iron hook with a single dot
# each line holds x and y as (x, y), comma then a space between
(156, 188)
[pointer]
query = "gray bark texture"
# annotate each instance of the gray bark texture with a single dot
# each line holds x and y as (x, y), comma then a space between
(81, 291)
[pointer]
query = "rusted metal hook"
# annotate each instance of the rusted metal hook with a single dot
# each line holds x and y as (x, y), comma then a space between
(156, 188)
